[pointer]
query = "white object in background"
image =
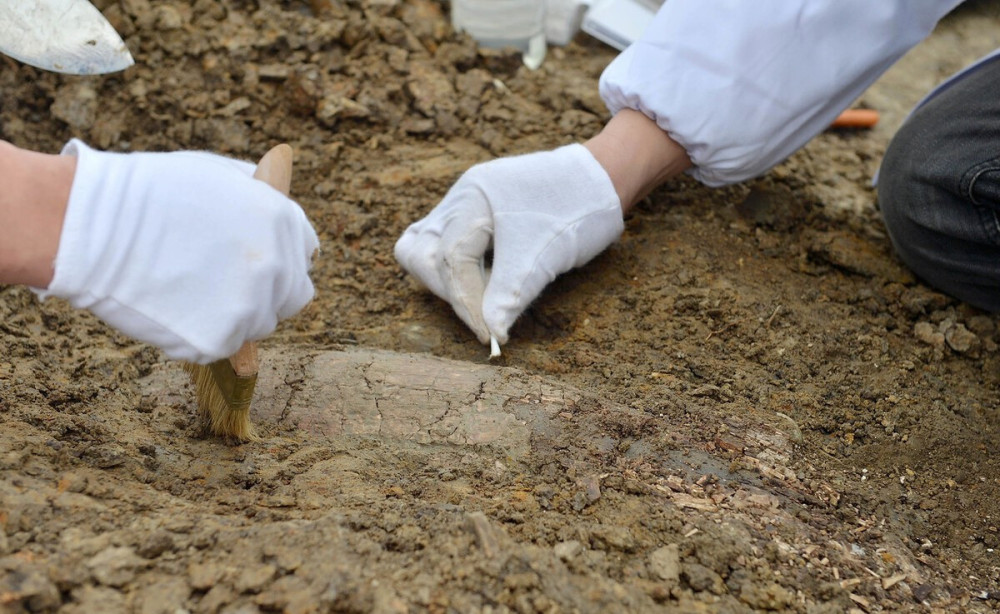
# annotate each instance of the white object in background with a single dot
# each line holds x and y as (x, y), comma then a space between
(504, 23)
(563, 19)
(619, 23)
(66, 36)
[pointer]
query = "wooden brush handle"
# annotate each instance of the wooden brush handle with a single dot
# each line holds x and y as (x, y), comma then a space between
(276, 169)
(856, 118)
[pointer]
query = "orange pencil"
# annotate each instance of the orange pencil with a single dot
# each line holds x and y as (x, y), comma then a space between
(856, 118)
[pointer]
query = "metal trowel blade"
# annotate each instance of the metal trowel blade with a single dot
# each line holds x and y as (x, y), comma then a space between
(64, 36)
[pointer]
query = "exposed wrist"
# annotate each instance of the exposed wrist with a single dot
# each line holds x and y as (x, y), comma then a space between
(32, 209)
(637, 155)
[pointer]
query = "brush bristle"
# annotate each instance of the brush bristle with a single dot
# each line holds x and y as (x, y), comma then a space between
(215, 412)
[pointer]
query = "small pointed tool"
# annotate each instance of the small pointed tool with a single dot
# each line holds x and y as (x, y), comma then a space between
(64, 36)
(225, 387)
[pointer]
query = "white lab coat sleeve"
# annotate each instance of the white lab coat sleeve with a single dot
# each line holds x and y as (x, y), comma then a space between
(742, 85)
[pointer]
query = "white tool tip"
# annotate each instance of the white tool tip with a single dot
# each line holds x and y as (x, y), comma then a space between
(494, 347)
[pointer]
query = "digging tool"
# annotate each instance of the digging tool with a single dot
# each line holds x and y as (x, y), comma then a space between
(224, 388)
(64, 36)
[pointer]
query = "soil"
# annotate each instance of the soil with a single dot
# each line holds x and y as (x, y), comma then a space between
(747, 404)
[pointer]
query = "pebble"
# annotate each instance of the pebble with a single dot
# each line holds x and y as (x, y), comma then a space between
(701, 578)
(922, 592)
(665, 563)
(168, 18)
(614, 538)
(568, 550)
(961, 339)
(155, 544)
(204, 576)
(592, 488)
(333, 107)
(75, 104)
(925, 332)
(115, 566)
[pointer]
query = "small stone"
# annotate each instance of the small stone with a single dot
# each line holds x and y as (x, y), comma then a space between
(75, 104)
(155, 544)
(568, 550)
(591, 487)
(204, 576)
(332, 108)
(665, 563)
(72, 482)
(961, 339)
(926, 333)
(922, 592)
(701, 578)
(274, 72)
(614, 538)
(430, 89)
(115, 566)
(168, 18)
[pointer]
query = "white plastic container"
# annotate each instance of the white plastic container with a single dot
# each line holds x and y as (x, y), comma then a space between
(563, 19)
(504, 23)
(619, 23)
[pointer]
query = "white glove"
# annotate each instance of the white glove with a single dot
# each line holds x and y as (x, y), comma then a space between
(183, 250)
(545, 212)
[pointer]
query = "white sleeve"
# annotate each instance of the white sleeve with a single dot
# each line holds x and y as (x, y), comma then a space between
(742, 85)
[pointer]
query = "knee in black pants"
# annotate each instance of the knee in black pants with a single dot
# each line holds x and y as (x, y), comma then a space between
(939, 189)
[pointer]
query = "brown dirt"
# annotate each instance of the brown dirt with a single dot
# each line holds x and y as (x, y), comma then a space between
(747, 404)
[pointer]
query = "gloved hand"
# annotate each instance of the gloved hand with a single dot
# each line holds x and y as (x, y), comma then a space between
(183, 250)
(544, 213)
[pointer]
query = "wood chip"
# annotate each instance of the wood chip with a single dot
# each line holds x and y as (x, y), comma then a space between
(892, 581)
(487, 540)
(861, 601)
(687, 501)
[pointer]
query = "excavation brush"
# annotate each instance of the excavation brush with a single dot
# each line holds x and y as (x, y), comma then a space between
(224, 388)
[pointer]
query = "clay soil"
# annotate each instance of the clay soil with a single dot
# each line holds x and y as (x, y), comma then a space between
(747, 404)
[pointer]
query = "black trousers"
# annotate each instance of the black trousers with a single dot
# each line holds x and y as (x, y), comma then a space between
(939, 189)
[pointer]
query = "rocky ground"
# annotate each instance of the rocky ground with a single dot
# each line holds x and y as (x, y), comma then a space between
(747, 404)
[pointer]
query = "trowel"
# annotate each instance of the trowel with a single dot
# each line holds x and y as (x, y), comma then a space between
(64, 36)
